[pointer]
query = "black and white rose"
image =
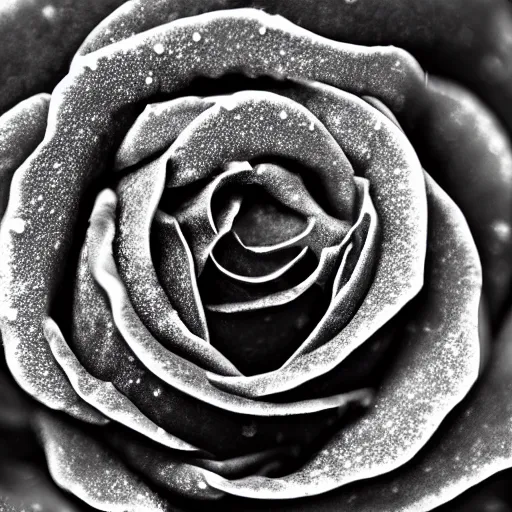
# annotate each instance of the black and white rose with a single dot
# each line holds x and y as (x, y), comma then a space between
(247, 258)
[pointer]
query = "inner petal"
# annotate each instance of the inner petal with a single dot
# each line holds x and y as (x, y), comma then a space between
(263, 221)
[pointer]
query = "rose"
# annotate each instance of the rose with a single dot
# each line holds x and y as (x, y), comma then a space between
(417, 109)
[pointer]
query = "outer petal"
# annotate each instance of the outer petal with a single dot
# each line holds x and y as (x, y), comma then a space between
(470, 155)
(83, 466)
(21, 130)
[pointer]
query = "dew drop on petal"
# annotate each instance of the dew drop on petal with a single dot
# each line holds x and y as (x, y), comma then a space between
(502, 230)
(49, 12)
(159, 48)
(17, 225)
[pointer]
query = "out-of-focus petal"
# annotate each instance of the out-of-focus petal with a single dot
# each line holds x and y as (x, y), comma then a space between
(468, 152)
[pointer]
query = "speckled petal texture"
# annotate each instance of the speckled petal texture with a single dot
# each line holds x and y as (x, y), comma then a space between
(255, 255)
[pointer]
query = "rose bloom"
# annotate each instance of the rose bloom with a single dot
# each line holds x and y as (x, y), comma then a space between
(256, 255)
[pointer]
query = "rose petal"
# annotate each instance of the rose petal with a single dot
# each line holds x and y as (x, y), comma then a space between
(273, 276)
(165, 470)
(139, 193)
(262, 123)
(21, 130)
(104, 396)
(463, 142)
(230, 255)
(264, 222)
(175, 270)
(350, 284)
(157, 128)
(324, 268)
(377, 104)
(143, 15)
(217, 287)
(258, 335)
(262, 340)
(289, 190)
(415, 396)
(81, 465)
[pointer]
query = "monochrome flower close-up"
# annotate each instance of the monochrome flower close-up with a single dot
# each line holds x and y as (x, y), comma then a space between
(255, 254)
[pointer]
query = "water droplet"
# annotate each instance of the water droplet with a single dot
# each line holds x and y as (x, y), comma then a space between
(196, 37)
(262, 30)
(502, 230)
(159, 48)
(18, 225)
(49, 12)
